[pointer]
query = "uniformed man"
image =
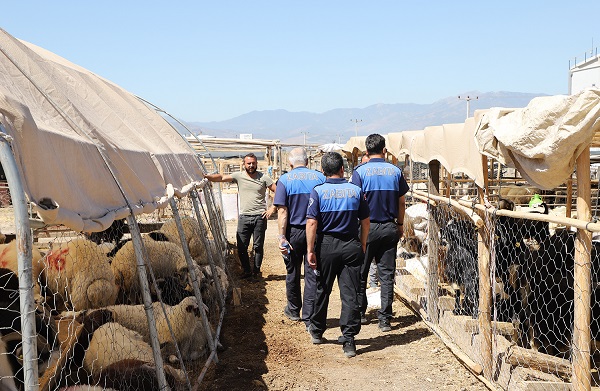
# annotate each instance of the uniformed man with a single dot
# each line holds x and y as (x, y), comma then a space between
(336, 211)
(384, 187)
(291, 199)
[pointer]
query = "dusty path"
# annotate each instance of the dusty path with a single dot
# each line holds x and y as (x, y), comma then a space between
(266, 351)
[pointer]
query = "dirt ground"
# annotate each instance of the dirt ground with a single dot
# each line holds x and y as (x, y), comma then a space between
(266, 351)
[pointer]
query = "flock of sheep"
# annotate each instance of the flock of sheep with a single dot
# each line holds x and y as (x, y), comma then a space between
(93, 279)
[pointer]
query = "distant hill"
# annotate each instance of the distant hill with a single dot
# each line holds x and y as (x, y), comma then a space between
(338, 125)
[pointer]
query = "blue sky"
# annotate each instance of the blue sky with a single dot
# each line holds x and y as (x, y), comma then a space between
(215, 60)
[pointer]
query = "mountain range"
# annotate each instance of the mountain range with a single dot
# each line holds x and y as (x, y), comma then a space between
(338, 125)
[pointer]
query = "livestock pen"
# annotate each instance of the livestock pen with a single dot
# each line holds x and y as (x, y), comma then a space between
(499, 255)
(116, 275)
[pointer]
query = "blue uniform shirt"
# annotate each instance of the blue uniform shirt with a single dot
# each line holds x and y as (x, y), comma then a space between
(293, 192)
(337, 206)
(383, 185)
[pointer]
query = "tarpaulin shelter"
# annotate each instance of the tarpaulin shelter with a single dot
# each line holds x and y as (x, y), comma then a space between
(76, 135)
(544, 139)
(453, 145)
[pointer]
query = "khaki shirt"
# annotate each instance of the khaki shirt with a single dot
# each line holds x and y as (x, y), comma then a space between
(251, 192)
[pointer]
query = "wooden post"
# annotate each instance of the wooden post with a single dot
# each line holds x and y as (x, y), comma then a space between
(569, 199)
(581, 379)
(485, 284)
(432, 249)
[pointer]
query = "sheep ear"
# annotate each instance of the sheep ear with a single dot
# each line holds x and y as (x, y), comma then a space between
(158, 236)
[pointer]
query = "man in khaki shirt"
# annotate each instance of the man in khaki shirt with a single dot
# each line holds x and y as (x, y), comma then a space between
(252, 221)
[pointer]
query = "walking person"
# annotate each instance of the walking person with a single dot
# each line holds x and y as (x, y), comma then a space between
(384, 188)
(252, 220)
(373, 283)
(293, 192)
(336, 211)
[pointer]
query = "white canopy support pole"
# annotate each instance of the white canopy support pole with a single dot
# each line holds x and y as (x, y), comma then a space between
(581, 379)
(142, 276)
(192, 271)
(24, 259)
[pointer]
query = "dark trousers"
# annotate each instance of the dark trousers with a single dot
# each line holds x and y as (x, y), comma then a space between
(293, 265)
(251, 226)
(381, 245)
(341, 258)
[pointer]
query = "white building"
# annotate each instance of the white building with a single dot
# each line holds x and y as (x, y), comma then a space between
(585, 74)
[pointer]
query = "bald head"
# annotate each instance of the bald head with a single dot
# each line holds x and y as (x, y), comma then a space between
(297, 157)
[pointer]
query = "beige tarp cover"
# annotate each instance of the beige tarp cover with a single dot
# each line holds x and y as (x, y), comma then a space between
(356, 142)
(60, 116)
(453, 145)
(542, 140)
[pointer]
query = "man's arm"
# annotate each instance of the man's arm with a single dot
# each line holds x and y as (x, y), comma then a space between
(273, 208)
(282, 218)
(219, 178)
(365, 225)
(401, 209)
(311, 236)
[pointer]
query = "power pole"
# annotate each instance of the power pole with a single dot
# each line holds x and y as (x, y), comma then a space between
(304, 133)
(356, 121)
(468, 99)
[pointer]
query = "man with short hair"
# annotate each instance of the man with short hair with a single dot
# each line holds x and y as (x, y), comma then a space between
(252, 220)
(293, 192)
(384, 188)
(336, 211)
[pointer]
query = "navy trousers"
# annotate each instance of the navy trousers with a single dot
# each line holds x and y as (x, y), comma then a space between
(341, 258)
(381, 245)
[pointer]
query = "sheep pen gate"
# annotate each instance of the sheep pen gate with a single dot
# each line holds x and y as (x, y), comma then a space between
(137, 306)
(501, 284)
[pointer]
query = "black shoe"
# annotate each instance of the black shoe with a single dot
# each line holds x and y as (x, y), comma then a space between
(384, 326)
(349, 348)
(363, 319)
(245, 275)
(290, 315)
(315, 337)
(341, 339)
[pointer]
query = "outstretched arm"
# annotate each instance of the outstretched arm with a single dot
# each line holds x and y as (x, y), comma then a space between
(219, 178)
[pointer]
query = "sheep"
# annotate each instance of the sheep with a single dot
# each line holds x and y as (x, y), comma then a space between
(165, 258)
(185, 322)
(11, 365)
(120, 358)
(112, 234)
(193, 236)
(79, 273)
(9, 260)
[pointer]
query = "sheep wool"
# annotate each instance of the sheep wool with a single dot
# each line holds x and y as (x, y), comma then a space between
(9, 260)
(185, 322)
(165, 258)
(80, 273)
(112, 345)
(193, 236)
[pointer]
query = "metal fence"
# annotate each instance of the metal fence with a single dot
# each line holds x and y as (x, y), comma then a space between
(138, 306)
(497, 281)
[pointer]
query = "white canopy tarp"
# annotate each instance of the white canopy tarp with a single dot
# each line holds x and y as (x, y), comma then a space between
(331, 147)
(453, 145)
(61, 117)
(544, 139)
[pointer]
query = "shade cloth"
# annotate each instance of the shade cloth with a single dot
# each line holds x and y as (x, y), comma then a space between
(544, 139)
(76, 135)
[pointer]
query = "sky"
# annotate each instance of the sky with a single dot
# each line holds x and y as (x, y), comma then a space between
(215, 60)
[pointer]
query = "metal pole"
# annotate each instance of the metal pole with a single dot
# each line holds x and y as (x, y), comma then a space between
(142, 276)
(192, 271)
(24, 259)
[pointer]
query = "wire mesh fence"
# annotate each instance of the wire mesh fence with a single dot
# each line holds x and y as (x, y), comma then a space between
(513, 273)
(137, 306)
